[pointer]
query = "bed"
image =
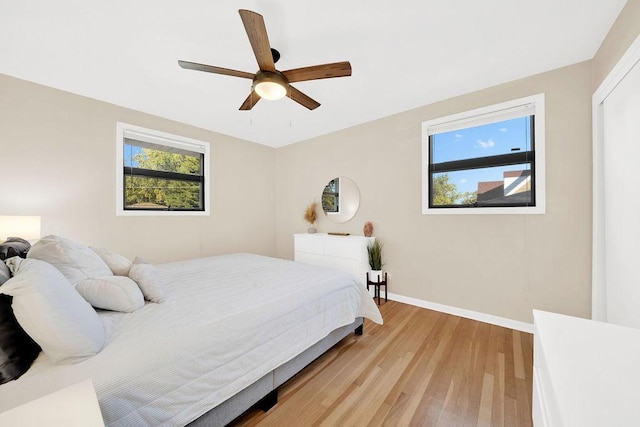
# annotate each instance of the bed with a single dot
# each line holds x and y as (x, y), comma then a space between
(231, 330)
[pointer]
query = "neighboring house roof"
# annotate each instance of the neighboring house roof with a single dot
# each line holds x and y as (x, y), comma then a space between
(522, 197)
(515, 174)
(486, 186)
(514, 188)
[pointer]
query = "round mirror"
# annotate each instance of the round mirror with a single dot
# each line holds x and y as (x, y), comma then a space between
(340, 199)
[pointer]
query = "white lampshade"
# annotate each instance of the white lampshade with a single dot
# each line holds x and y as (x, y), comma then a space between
(270, 85)
(27, 227)
(270, 90)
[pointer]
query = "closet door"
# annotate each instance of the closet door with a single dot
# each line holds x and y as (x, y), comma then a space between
(621, 164)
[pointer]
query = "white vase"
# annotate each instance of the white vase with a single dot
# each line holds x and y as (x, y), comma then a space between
(311, 230)
(376, 276)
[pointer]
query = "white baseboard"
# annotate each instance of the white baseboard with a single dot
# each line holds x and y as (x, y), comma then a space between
(468, 314)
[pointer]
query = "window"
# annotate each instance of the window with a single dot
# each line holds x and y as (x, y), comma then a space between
(489, 160)
(160, 174)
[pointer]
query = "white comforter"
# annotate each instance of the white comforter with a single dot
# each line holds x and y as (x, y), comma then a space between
(227, 321)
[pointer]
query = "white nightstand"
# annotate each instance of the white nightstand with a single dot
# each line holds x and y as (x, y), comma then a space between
(74, 406)
(585, 373)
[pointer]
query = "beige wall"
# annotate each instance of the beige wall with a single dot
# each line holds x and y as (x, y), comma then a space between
(621, 35)
(504, 265)
(57, 154)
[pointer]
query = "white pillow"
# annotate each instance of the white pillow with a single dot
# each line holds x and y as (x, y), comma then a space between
(76, 261)
(13, 263)
(118, 264)
(116, 293)
(148, 279)
(53, 314)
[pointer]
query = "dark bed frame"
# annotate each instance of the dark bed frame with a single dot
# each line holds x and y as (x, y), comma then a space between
(264, 392)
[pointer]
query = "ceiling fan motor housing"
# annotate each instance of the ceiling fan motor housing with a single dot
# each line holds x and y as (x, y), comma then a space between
(276, 55)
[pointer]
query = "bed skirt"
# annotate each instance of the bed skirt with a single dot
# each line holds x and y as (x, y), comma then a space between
(235, 406)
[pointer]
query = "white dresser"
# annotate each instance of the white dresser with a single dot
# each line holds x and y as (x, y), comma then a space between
(585, 373)
(346, 253)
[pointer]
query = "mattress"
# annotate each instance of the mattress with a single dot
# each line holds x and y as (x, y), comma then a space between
(226, 322)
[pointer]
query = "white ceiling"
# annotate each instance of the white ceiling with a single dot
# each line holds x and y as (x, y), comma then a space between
(404, 54)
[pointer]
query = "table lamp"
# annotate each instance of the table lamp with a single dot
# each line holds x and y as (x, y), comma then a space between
(27, 227)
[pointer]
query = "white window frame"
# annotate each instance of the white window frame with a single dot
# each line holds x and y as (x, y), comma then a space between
(485, 115)
(161, 138)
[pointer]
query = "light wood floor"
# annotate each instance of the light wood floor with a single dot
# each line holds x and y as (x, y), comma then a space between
(420, 368)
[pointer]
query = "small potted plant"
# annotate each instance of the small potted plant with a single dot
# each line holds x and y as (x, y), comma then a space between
(375, 261)
(310, 216)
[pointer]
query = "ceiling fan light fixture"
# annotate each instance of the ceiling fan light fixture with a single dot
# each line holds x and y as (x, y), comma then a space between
(268, 82)
(270, 85)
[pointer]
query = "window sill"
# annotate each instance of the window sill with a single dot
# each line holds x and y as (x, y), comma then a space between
(161, 213)
(537, 210)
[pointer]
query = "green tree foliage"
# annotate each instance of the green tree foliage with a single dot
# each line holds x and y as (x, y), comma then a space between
(446, 193)
(164, 192)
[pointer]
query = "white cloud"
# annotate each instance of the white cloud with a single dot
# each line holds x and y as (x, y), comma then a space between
(502, 129)
(485, 144)
(458, 136)
(463, 181)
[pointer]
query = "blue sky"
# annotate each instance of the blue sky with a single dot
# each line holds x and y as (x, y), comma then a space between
(481, 141)
(129, 152)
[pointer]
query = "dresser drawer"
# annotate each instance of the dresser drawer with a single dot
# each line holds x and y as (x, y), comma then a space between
(311, 245)
(345, 253)
(343, 249)
(313, 259)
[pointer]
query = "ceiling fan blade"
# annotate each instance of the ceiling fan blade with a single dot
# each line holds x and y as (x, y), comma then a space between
(257, 32)
(324, 71)
(251, 101)
(216, 70)
(302, 99)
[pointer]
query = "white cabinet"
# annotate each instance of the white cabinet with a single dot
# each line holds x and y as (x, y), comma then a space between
(73, 406)
(346, 253)
(585, 373)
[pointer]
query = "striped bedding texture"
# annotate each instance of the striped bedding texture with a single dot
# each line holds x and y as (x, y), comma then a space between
(227, 321)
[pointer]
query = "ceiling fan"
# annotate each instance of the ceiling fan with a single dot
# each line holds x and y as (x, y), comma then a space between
(268, 82)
